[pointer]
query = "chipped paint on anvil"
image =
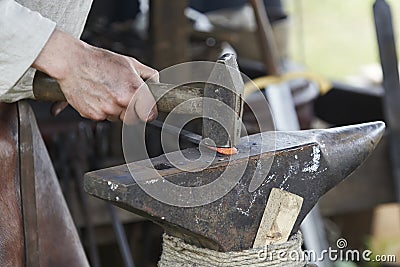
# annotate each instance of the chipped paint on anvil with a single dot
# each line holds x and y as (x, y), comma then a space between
(285, 178)
(258, 165)
(246, 211)
(314, 164)
(269, 178)
(152, 181)
(113, 186)
(293, 170)
(253, 200)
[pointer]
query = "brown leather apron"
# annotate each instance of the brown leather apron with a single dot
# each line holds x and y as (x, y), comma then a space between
(36, 228)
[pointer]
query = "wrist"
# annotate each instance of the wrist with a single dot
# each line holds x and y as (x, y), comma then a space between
(61, 52)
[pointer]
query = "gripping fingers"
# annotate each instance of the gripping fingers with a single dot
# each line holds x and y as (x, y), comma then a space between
(129, 118)
(144, 104)
(145, 72)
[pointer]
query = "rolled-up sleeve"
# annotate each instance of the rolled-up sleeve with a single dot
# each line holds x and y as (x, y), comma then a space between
(23, 34)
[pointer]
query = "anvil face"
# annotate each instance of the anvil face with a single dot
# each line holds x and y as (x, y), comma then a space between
(305, 163)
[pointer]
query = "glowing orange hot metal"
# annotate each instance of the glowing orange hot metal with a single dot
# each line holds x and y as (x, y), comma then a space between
(225, 150)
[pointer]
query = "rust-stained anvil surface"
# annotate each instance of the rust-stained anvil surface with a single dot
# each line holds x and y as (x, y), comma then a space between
(306, 163)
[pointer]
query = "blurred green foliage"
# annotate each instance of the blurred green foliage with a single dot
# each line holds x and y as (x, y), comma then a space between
(335, 37)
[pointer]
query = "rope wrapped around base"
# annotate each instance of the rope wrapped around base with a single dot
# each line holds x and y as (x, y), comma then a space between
(177, 253)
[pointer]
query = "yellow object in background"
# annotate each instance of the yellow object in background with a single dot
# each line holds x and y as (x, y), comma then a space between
(262, 82)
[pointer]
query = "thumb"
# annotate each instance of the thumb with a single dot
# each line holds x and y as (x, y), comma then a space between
(145, 104)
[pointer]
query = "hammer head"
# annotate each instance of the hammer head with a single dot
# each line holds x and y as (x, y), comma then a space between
(305, 163)
(222, 104)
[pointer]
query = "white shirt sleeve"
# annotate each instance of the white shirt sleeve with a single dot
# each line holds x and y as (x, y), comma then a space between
(23, 34)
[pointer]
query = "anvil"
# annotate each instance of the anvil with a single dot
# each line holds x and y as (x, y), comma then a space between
(306, 163)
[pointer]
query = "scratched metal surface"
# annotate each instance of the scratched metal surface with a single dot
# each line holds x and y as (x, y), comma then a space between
(306, 163)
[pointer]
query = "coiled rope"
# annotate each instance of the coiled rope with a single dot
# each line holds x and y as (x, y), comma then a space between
(177, 253)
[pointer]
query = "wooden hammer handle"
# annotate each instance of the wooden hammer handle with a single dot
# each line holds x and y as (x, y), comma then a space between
(168, 96)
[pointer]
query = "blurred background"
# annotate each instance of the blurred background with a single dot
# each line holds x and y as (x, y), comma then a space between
(336, 38)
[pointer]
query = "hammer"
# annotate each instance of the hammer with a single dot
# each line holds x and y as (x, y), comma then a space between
(207, 101)
(304, 163)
